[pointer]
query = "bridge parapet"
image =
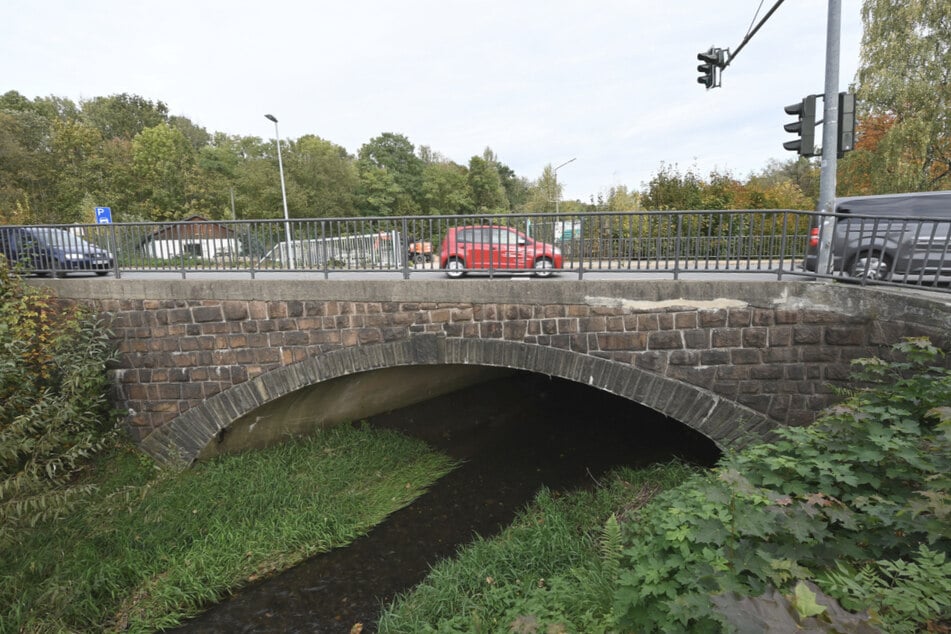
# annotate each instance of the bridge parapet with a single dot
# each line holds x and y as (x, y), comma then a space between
(771, 350)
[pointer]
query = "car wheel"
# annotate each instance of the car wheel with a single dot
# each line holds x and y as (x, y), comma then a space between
(455, 268)
(543, 267)
(102, 273)
(871, 266)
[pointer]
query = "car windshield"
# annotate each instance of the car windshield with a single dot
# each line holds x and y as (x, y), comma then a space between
(60, 238)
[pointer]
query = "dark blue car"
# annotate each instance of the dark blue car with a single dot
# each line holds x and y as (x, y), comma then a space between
(52, 251)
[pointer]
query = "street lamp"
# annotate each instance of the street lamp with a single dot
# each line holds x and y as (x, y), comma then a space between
(557, 192)
(280, 167)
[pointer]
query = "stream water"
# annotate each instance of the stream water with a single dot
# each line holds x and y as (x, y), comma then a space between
(514, 436)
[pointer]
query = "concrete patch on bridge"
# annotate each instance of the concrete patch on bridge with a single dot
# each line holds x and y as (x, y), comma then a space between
(667, 304)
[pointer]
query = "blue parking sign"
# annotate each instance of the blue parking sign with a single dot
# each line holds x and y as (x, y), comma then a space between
(103, 215)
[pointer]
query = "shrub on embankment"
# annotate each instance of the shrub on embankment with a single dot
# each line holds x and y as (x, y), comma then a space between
(53, 408)
(852, 512)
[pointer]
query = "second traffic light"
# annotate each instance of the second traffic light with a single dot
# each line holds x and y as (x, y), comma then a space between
(712, 62)
(804, 126)
(846, 127)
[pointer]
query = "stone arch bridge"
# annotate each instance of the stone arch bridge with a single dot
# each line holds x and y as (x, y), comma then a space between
(208, 366)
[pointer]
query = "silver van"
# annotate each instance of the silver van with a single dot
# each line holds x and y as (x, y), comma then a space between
(892, 237)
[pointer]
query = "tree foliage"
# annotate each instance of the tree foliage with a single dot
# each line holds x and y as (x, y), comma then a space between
(61, 160)
(123, 116)
(162, 158)
(779, 186)
(904, 96)
(391, 175)
(325, 174)
(485, 185)
(445, 189)
(53, 407)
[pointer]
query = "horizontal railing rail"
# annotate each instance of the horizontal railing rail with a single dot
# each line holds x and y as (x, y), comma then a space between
(668, 243)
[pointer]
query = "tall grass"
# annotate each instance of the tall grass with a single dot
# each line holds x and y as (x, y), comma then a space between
(155, 547)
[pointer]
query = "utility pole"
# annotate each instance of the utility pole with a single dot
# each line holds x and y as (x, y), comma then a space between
(830, 140)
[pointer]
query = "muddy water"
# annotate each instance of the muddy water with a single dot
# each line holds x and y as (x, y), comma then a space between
(513, 436)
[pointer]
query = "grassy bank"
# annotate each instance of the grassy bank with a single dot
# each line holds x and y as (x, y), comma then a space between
(154, 546)
(555, 564)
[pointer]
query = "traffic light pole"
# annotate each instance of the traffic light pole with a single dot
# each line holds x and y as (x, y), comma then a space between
(830, 118)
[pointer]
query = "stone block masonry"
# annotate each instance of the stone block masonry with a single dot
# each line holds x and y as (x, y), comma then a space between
(774, 349)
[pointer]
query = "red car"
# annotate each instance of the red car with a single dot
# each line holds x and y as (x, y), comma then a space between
(483, 247)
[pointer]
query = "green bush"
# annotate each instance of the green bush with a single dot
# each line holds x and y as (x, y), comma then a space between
(867, 485)
(53, 407)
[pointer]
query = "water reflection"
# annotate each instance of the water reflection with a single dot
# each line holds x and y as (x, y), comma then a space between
(514, 435)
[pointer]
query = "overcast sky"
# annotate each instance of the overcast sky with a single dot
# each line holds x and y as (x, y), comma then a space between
(609, 83)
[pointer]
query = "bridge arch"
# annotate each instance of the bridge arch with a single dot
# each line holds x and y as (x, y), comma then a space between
(724, 357)
(190, 435)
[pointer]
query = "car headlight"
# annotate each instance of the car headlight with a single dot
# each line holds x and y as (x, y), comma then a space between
(556, 251)
(73, 256)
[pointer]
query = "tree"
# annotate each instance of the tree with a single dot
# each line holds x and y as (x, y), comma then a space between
(22, 135)
(904, 91)
(485, 186)
(516, 188)
(74, 151)
(800, 173)
(123, 116)
(668, 189)
(621, 199)
(446, 189)
(379, 193)
(161, 159)
(326, 175)
(196, 135)
(541, 193)
(391, 175)
(119, 187)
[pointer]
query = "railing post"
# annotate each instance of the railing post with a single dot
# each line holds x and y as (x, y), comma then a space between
(323, 248)
(181, 249)
(677, 246)
(114, 248)
(402, 248)
(250, 254)
(581, 241)
(782, 246)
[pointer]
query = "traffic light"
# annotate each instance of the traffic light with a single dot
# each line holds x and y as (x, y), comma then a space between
(846, 127)
(805, 127)
(711, 60)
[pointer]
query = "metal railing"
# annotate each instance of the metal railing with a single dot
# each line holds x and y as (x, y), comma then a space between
(668, 243)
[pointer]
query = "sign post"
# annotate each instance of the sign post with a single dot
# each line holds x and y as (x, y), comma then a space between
(104, 217)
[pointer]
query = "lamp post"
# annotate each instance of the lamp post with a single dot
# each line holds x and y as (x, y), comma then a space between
(557, 192)
(280, 167)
